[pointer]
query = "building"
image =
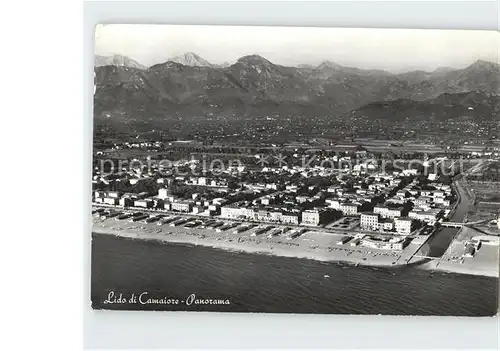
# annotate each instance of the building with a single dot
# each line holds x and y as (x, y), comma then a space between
(423, 201)
(469, 251)
(126, 201)
(267, 215)
(388, 212)
(333, 203)
(369, 221)
(430, 216)
(386, 224)
(334, 189)
(110, 200)
(438, 193)
(290, 218)
(377, 186)
(402, 193)
(384, 243)
(349, 209)
(266, 200)
(182, 206)
(318, 216)
(426, 193)
(219, 201)
(198, 209)
(230, 211)
(442, 201)
(311, 217)
(343, 240)
(236, 211)
(302, 199)
(355, 242)
(403, 225)
(99, 195)
(202, 181)
(146, 203)
(275, 216)
(361, 152)
(486, 240)
(274, 186)
(163, 193)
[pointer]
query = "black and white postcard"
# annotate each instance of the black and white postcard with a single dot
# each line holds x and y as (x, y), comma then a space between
(296, 170)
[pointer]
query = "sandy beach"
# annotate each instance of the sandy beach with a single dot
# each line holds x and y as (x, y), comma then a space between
(314, 245)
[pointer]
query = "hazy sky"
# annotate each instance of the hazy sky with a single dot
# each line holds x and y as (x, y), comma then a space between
(389, 49)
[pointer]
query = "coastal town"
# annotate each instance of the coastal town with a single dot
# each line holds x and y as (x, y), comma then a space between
(289, 178)
(348, 206)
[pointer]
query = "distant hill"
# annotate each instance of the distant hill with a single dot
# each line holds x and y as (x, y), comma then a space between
(117, 60)
(481, 75)
(190, 59)
(475, 105)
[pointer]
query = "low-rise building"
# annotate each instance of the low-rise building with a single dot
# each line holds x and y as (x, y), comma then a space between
(202, 181)
(333, 203)
(110, 200)
(334, 189)
(384, 243)
(126, 201)
(198, 209)
(99, 194)
(403, 225)
(401, 193)
(427, 193)
(438, 193)
(469, 250)
(266, 200)
(442, 201)
(146, 203)
(163, 193)
(422, 201)
(182, 206)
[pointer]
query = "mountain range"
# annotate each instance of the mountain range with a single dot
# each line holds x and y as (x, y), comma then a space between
(190, 86)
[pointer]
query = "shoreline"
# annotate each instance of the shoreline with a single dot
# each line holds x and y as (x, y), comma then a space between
(236, 247)
(250, 252)
(323, 248)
